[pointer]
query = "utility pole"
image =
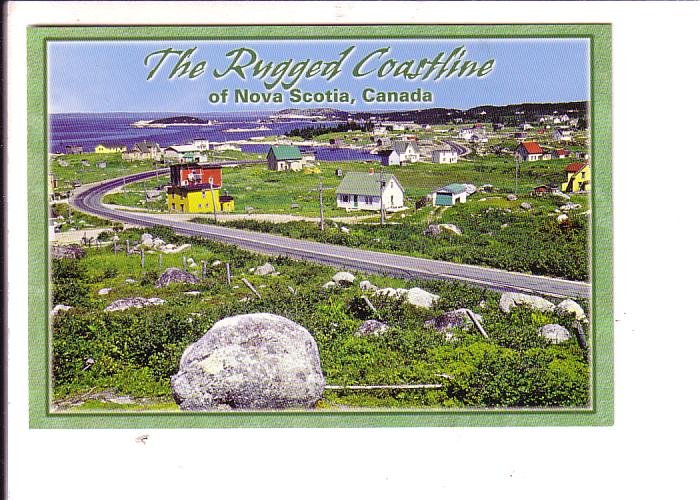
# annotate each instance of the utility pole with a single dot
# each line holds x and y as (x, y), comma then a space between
(213, 200)
(382, 210)
(517, 173)
(145, 196)
(320, 201)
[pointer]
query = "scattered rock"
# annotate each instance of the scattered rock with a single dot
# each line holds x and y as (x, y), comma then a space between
(193, 292)
(371, 327)
(511, 197)
(157, 243)
(503, 226)
(59, 308)
(343, 278)
(569, 206)
(216, 263)
(264, 270)
(432, 230)
(568, 306)
(345, 230)
(67, 252)
(451, 320)
(175, 275)
(250, 361)
(554, 333)
(511, 299)
(294, 205)
(137, 302)
(470, 189)
(130, 281)
(367, 286)
(193, 265)
(420, 298)
(562, 218)
(561, 195)
(450, 228)
(330, 284)
(525, 205)
(104, 291)
(170, 248)
(250, 210)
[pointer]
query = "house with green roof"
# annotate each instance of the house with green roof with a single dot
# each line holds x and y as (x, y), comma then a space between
(284, 157)
(364, 191)
(452, 194)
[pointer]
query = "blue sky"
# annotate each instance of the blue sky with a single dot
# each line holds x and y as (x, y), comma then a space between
(111, 76)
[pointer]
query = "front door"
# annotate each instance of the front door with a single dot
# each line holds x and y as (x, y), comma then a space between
(354, 200)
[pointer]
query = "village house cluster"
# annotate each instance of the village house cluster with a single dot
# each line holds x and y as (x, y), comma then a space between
(196, 182)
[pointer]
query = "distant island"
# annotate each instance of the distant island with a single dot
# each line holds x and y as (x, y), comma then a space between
(172, 121)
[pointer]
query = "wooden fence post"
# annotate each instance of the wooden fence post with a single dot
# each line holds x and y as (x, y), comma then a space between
(127, 247)
(115, 248)
(228, 274)
(184, 263)
(143, 259)
(204, 269)
(160, 261)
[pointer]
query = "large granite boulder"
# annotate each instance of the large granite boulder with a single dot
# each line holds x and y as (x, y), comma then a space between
(554, 333)
(511, 299)
(420, 298)
(452, 320)
(570, 307)
(175, 275)
(250, 361)
(343, 278)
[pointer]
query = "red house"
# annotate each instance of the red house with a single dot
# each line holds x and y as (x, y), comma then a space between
(529, 151)
(194, 174)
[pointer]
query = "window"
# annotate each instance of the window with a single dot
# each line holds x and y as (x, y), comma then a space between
(368, 200)
(346, 198)
(204, 193)
(199, 206)
(172, 206)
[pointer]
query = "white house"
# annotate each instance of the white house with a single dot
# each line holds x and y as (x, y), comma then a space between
(184, 153)
(144, 150)
(529, 151)
(362, 191)
(526, 126)
(285, 157)
(473, 135)
(444, 156)
(201, 144)
(407, 150)
(562, 134)
(379, 129)
(389, 157)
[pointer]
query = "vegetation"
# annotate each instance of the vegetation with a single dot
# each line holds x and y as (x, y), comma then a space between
(134, 352)
(70, 218)
(311, 132)
(495, 233)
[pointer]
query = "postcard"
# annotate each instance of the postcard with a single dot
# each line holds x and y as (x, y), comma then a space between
(338, 226)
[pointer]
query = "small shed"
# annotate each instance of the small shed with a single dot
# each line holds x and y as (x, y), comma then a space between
(451, 194)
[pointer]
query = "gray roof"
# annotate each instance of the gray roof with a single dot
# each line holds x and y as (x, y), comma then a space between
(401, 146)
(364, 183)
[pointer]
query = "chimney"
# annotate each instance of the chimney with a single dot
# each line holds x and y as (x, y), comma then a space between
(371, 170)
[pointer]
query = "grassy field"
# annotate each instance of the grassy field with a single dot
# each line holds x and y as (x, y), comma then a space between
(495, 233)
(75, 171)
(136, 351)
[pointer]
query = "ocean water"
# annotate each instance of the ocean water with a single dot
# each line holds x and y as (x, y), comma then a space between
(89, 130)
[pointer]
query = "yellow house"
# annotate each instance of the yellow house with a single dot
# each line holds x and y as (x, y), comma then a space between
(578, 178)
(198, 200)
(110, 148)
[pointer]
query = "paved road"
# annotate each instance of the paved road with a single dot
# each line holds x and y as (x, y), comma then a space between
(89, 200)
(461, 150)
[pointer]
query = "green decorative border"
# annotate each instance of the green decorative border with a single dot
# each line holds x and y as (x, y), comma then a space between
(601, 411)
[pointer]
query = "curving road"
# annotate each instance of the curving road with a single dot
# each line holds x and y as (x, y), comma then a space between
(89, 200)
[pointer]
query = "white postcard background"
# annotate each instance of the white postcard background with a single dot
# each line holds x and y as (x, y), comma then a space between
(650, 452)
